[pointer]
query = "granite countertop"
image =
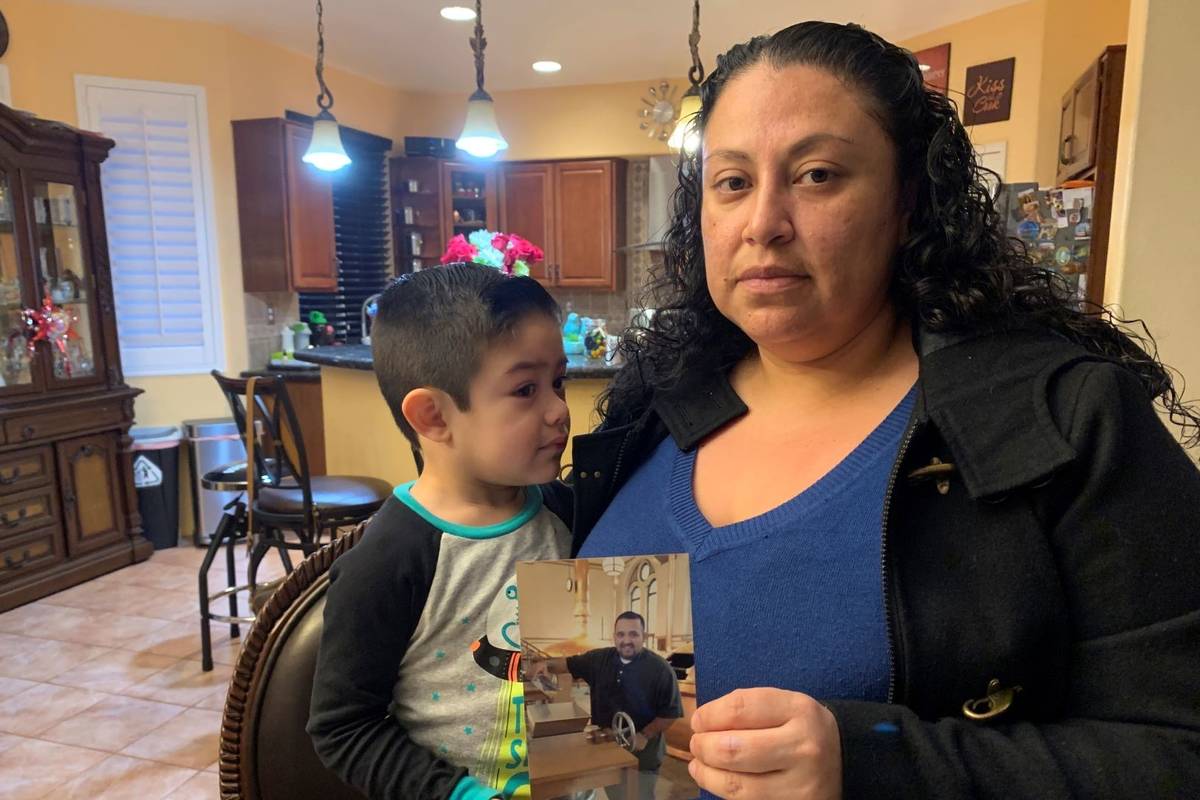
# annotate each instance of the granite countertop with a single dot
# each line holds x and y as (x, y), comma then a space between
(358, 356)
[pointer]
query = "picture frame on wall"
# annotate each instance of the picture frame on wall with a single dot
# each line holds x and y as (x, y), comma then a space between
(988, 93)
(935, 66)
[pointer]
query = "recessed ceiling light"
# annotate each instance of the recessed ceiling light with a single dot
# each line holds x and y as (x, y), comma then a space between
(546, 66)
(925, 67)
(458, 13)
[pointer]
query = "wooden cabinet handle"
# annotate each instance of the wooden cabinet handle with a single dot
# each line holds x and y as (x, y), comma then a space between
(5, 480)
(28, 432)
(12, 522)
(12, 563)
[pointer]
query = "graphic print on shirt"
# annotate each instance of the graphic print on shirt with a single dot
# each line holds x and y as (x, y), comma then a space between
(503, 760)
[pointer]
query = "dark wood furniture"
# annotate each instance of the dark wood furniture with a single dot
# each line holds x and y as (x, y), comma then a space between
(68, 511)
(1087, 149)
(416, 188)
(575, 211)
(468, 199)
(285, 209)
(265, 752)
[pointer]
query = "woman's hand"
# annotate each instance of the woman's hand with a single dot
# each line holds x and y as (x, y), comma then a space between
(766, 743)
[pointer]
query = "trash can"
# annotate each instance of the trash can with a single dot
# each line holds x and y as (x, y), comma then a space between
(156, 478)
(213, 443)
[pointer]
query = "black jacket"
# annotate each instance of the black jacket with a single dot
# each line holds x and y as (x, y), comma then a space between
(1040, 531)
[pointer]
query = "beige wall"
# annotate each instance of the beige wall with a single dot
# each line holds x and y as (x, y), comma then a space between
(1152, 268)
(1053, 42)
(1016, 31)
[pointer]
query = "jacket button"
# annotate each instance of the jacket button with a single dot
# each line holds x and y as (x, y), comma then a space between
(583, 475)
(596, 474)
(996, 703)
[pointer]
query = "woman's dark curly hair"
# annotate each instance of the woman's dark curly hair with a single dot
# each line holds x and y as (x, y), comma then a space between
(957, 270)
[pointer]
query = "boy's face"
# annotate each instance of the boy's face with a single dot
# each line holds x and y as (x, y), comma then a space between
(516, 429)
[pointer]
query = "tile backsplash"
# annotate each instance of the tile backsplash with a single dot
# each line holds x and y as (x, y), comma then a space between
(262, 337)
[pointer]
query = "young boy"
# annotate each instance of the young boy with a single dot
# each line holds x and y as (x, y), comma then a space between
(417, 693)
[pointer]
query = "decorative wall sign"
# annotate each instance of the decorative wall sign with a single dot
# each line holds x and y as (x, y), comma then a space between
(935, 66)
(988, 92)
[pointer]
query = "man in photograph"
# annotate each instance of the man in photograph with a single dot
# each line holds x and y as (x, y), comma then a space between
(627, 677)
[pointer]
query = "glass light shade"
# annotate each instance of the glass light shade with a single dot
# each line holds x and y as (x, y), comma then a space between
(325, 151)
(458, 13)
(685, 137)
(480, 134)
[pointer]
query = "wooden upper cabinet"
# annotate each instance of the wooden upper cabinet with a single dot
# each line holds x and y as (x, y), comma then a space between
(527, 209)
(469, 200)
(590, 212)
(285, 210)
(1078, 122)
(574, 211)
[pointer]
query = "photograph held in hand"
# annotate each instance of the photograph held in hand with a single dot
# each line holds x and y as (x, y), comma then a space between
(608, 678)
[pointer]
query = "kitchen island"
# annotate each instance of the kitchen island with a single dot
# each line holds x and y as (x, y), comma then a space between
(361, 438)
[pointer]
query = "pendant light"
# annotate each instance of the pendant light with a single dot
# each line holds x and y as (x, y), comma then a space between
(480, 134)
(685, 137)
(325, 151)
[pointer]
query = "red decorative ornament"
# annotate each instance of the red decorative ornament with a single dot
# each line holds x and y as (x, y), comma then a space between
(51, 324)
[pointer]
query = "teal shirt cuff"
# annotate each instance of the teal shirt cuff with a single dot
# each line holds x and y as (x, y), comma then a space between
(470, 789)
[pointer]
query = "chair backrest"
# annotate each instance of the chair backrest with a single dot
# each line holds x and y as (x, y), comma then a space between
(265, 752)
(280, 452)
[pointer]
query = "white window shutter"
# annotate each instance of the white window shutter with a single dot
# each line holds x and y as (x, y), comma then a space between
(158, 216)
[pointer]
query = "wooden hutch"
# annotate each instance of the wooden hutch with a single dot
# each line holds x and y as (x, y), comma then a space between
(68, 510)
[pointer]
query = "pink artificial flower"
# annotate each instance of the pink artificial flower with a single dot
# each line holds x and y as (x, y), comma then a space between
(459, 249)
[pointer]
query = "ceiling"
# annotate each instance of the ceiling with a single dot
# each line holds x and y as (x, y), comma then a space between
(406, 43)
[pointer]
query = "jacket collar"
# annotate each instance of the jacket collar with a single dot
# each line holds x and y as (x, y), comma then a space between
(986, 393)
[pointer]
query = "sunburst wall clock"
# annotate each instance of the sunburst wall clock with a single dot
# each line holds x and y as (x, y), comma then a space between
(659, 111)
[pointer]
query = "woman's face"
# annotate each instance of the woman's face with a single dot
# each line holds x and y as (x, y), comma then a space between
(801, 211)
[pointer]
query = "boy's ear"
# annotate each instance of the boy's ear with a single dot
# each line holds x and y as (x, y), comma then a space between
(423, 410)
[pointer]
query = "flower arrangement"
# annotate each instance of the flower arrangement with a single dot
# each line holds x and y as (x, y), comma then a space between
(506, 252)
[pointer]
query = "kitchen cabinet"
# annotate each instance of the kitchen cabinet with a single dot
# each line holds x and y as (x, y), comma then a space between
(1087, 149)
(468, 199)
(68, 511)
(575, 211)
(285, 209)
(527, 210)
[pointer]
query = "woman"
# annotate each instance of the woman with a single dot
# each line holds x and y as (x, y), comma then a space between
(941, 544)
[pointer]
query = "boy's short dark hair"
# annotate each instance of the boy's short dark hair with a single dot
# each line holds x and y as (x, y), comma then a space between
(433, 327)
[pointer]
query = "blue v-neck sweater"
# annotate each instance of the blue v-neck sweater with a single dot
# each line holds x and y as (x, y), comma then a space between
(792, 598)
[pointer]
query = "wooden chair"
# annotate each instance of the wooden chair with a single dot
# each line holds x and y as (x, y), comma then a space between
(265, 752)
(285, 495)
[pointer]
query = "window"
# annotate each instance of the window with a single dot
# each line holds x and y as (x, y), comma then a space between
(643, 594)
(158, 213)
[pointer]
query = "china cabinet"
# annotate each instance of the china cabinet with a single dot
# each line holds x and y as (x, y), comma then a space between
(68, 511)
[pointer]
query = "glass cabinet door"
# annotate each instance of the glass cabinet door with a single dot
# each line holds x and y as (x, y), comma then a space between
(63, 276)
(15, 362)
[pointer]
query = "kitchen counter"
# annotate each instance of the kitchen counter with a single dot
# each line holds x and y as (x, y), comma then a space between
(358, 356)
(361, 437)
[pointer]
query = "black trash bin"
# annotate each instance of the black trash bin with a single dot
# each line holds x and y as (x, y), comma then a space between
(156, 477)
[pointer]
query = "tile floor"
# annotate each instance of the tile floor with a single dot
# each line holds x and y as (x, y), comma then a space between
(101, 692)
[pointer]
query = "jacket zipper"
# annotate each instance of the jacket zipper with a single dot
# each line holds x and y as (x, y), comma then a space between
(889, 615)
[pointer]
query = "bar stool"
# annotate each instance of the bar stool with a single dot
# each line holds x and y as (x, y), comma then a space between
(231, 531)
